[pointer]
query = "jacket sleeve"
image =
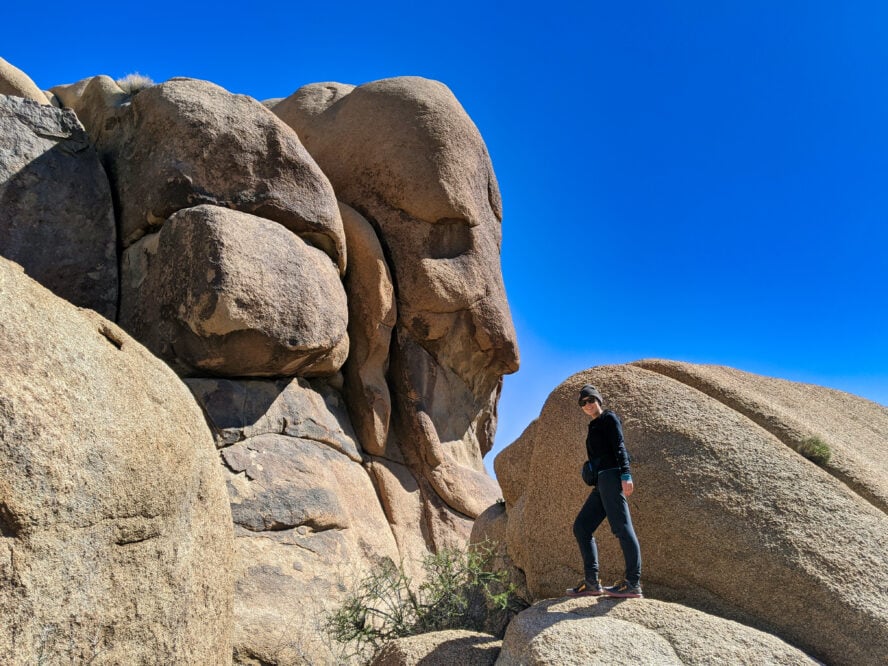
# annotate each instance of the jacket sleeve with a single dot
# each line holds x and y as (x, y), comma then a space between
(615, 441)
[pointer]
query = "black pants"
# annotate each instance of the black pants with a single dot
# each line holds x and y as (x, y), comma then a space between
(607, 500)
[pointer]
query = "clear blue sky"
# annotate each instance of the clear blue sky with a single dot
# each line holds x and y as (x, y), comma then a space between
(696, 180)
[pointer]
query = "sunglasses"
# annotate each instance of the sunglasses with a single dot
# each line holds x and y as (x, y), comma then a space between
(586, 401)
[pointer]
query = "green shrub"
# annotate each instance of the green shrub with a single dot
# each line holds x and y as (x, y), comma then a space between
(459, 592)
(815, 450)
(133, 83)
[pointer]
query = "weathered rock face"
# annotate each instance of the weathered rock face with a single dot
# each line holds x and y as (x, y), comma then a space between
(56, 216)
(853, 429)
(441, 648)
(99, 104)
(185, 142)
(372, 314)
(15, 82)
(307, 519)
(236, 263)
(726, 512)
(405, 155)
(587, 632)
(309, 101)
(115, 532)
(247, 297)
(490, 530)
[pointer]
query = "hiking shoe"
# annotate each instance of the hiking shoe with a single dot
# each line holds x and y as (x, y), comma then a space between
(624, 590)
(586, 589)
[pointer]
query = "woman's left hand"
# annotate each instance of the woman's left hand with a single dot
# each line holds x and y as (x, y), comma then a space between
(628, 487)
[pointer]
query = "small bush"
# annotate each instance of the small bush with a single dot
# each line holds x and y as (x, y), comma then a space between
(459, 592)
(815, 450)
(133, 83)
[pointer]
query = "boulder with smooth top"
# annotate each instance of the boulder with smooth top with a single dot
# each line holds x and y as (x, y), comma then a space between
(730, 517)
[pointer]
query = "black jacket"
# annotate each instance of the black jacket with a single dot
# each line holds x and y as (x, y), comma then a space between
(605, 442)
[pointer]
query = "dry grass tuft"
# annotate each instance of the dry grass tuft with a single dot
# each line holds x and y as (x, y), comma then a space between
(134, 83)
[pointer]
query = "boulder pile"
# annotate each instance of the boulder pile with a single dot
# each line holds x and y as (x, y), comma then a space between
(266, 356)
(330, 294)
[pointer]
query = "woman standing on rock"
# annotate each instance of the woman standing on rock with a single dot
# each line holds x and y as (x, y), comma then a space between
(607, 469)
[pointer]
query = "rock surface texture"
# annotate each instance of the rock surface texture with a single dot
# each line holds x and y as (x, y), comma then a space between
(115, 532)
(347, 342)
(404, 154)
(15, 82)
(56, 216)
(307, 519)
(186, 142)
(726, 510)
(323, 271)
(586, 632)
(248, 298)
(441, 648)
(239, 262)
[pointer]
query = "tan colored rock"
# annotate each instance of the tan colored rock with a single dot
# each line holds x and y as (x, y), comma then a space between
(589, 632)
(310, 101)
(854, 429)
(15, 82)
(404, 153)
(489, 531)
(440, 648)
(403, 505)
(100, 105)
(229, 293)
(489, 535)
(726, 513)
(186, 142)
(308, 521)
(511, 465)
(372, 314)
(238, 409)
(115, 534)
(56, 215)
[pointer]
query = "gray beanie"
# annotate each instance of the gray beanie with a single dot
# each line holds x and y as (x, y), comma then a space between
(589, 391)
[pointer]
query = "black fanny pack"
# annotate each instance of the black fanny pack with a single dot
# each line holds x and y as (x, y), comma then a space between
(590, 471)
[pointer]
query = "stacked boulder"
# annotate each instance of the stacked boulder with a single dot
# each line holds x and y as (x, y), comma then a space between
(339, 317)
(403, 154)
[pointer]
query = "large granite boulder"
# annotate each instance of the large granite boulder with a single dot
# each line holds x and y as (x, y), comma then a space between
(586, 632)
(187, 142)
(405, 154)
(56, 215)
(308, 523)
(731, 518)
(15, 82)
(224, 292)
(115, 532)
(853, 429)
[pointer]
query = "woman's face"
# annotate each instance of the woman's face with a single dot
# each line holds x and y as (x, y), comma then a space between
(592, 408)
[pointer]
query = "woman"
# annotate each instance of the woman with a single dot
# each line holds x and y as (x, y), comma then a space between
(613, 484)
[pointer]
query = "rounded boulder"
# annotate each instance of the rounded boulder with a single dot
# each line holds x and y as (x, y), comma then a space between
(731, 518)
(223, 292)
(115, 531)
